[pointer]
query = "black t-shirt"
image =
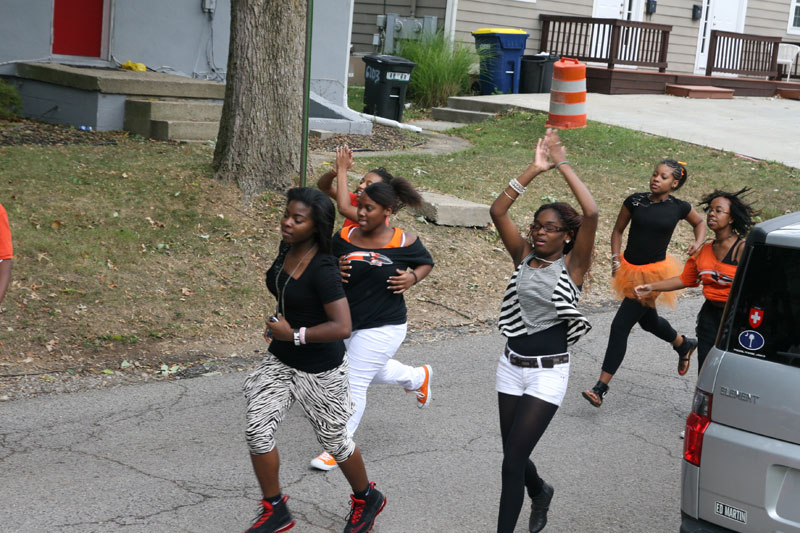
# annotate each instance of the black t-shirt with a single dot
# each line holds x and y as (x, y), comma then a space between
(304, 298)
(372, 304)
(652, 224)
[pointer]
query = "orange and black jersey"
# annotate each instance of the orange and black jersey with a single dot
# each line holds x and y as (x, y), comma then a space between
(372, 304)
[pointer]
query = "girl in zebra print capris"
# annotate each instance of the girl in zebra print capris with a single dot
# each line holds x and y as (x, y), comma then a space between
(306, 363)
(540, 321)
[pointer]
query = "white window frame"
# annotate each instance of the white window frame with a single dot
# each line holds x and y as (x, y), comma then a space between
(790, 28)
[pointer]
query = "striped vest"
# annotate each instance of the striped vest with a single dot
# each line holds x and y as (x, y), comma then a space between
(565, 296)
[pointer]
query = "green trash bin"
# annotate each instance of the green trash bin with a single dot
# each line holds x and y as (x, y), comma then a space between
(386, 80)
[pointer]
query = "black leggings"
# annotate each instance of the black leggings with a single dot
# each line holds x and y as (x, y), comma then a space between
(523, 420)
(708, 320)
(629, 313)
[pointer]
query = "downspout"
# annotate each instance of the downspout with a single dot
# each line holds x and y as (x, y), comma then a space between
(413, 8)
(306, 93)
(450, 18)
(389, 122)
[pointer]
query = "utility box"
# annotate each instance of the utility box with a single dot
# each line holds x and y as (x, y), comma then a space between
(500, 51)
(393, 27)
(386, 80)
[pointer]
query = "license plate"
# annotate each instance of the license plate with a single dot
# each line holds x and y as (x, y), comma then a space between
(398, 76)
(737, 515)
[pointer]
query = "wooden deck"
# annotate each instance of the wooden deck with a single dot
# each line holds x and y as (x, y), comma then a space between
(630, 81)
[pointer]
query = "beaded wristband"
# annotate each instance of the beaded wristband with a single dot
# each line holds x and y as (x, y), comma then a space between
(564, 162)
(517, 186)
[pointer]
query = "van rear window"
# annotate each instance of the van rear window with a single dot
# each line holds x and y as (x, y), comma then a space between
(765, 322)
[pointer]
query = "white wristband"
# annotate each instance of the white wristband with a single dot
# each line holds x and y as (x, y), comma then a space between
(517, 186)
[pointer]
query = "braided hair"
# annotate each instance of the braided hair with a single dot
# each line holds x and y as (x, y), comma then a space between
(678, 171)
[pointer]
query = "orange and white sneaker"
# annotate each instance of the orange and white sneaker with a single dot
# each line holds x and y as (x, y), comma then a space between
(423, 393)
(324, 461)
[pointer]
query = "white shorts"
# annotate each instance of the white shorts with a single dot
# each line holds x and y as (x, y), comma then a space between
(548, 384)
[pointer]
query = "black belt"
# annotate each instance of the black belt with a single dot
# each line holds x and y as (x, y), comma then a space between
(544, 361)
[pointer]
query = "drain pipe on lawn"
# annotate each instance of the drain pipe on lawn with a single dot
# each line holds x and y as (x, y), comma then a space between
(389, 122)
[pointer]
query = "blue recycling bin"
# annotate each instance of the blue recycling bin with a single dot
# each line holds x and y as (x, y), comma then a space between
(500, 51)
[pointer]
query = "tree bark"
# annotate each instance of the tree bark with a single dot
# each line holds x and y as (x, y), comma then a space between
(258, 145)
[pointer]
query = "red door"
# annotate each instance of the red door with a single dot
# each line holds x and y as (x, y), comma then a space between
(78, 27)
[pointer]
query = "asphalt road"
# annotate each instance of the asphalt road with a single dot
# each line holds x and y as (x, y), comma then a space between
(171, 456)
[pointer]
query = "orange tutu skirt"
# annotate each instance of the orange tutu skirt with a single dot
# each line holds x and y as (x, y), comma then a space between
(629, 276)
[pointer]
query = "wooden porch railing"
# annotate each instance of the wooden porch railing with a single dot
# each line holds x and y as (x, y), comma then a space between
(742, 53)
(611, 41)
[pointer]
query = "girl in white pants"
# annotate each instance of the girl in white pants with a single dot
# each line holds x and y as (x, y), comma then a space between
(379, 264)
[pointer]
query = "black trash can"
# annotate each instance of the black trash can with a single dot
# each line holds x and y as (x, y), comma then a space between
(385, 82)
(537, 73)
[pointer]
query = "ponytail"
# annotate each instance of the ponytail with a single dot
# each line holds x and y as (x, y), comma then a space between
(396, 194)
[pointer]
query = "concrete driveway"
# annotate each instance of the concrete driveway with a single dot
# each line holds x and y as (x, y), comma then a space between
(763, 128)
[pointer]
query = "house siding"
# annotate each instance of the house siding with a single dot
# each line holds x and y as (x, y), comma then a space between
(475, 14)
(769, 18)
(366, 11)
(764, 17)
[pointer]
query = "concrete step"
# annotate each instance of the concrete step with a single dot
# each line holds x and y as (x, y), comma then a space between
(175, 109)
(468, 103)
(451, 211)
(459, 115)
(184, 130)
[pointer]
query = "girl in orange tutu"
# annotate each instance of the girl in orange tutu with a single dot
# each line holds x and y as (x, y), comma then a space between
(653, 217)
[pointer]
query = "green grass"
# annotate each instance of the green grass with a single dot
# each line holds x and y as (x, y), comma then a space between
(129, 245)
(111, 242)
(612, 161)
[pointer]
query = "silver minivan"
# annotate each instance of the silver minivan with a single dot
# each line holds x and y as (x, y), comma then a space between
(741, 454)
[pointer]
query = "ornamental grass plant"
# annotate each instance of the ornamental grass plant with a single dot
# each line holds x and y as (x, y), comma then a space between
(442, 69)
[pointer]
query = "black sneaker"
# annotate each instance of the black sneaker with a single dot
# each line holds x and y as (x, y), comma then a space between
(540, 504)
(272, 519)
(363, 512)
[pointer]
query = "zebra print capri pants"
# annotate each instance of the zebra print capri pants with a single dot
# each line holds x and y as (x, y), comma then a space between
(325, 398)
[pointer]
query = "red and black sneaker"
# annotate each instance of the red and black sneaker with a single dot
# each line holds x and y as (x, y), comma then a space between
(363, 512)
(272, 518)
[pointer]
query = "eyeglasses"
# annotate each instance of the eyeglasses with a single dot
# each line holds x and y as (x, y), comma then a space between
(716, 210)
(549, 228)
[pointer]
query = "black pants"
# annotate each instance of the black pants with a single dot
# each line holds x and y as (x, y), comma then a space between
(629, 313)
(708, 320)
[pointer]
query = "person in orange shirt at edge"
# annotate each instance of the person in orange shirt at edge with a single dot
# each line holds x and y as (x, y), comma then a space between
(714, 265)
(6, 253)
(347, 202)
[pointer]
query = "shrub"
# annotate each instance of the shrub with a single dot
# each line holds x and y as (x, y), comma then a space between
(10, 104)
(442, 68)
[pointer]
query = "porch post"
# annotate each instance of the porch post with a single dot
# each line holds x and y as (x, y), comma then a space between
(614, 45)
(712, 52)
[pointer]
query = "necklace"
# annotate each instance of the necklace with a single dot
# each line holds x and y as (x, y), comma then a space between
(545, 262)
(281, 294)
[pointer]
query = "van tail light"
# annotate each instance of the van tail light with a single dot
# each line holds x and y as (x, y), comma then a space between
(696, 425)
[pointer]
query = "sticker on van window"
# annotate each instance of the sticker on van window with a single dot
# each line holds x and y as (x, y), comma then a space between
(755, 317)
(733, 513)
(751, 340)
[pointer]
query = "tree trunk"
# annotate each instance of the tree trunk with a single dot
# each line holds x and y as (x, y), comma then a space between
(258, 145)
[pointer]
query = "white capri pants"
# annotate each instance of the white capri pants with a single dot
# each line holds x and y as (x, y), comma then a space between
(548, 384)
(273, 388)
(369, 353)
